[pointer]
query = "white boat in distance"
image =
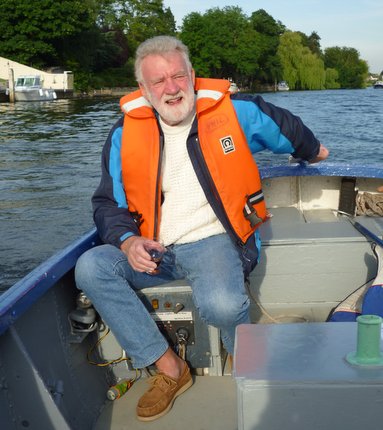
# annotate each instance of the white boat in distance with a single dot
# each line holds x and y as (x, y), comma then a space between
(283, 86)
(378, 84)
(29, 88)
(233, 88)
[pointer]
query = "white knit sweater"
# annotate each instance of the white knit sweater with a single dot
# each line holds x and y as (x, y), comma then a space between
(186, 215)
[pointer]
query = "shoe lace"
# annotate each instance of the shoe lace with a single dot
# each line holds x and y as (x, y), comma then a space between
(161, 381)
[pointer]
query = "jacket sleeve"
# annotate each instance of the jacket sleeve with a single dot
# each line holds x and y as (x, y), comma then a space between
(110, 209)
(267, 126)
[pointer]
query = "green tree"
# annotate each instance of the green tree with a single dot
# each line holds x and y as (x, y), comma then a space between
(130, 22)
(193, 34)
(312, 42)
(222, 44)
(30, 30)
(351, 69)
(268, 32)
(301, 68)
(138, 19)
(331, 81)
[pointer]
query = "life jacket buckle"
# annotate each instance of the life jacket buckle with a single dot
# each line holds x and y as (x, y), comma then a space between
(250, 213)
(137, 218)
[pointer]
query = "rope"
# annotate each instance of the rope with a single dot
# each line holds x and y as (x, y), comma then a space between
(369, 204)
(279, 319)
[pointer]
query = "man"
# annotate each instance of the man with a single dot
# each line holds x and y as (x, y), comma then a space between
(177, 172)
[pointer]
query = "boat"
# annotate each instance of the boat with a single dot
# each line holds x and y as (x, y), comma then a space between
(61, 368)
(378, 84)
(29, 88)
(283, 86)
(233, 88)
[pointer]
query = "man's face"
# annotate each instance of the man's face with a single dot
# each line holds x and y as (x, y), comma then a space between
(168, 84)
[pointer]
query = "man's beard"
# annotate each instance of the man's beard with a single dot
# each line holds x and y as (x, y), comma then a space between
(171, 114)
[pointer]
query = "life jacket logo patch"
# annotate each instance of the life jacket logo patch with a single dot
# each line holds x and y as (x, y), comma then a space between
(227, 144)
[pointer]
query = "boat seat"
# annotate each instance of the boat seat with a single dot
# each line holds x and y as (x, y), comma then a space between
(327, 245)
(290, 225)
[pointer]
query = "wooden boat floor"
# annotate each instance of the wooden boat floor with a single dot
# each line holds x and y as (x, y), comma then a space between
(210, 404)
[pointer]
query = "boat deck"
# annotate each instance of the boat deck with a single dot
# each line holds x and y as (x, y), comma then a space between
(193, 410)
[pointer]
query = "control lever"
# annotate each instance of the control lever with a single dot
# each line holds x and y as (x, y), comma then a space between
(178, 307)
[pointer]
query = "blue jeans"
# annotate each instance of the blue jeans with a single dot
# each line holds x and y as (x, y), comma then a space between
(213, 268)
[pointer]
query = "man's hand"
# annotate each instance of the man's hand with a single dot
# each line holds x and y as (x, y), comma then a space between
(322, 155)
(134, 247)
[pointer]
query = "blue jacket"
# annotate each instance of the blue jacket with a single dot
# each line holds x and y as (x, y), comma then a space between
(265, 126)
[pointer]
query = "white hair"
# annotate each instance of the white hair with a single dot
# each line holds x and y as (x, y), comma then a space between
(159, 45)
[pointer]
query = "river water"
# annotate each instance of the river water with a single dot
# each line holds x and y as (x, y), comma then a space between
(50, 156)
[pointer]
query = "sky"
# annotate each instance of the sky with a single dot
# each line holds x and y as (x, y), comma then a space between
(354, 24)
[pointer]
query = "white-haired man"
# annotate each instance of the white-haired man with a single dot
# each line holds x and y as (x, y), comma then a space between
(178, 174)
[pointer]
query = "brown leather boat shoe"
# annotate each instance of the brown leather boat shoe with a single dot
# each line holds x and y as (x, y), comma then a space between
(159, 399)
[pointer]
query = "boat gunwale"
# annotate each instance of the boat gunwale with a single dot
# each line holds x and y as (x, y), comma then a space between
(322, 169)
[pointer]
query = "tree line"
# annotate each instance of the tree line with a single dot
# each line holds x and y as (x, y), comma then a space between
(97, 39)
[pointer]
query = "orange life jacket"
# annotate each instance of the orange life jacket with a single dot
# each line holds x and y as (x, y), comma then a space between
(229, 162)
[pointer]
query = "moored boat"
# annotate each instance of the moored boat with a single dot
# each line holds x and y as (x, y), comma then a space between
(283, 86)
(233, 88)
(378, 84)
(29, 88)
(58, 360)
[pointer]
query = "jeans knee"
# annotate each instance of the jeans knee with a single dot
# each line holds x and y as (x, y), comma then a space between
(89, 267)
(225, 313)
(85, 268)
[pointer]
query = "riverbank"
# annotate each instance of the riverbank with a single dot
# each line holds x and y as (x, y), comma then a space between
(108, 92)
(103, 92)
